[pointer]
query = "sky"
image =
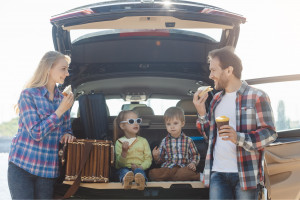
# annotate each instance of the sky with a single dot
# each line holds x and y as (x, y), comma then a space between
(269, 42)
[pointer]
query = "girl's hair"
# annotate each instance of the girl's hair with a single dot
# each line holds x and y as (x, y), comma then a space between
(118, 132)
(41, 74)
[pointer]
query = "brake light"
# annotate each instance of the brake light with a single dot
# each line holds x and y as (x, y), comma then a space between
(162, 33)
(72, 14)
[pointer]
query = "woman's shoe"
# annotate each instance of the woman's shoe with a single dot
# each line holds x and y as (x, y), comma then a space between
(140, 181)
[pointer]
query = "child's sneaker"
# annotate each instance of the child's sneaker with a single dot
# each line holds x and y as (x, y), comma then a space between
(127, 180)
(140, 181)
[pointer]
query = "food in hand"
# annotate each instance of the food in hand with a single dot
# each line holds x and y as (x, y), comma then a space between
(67, 90)
(131, 141)
(204, 90)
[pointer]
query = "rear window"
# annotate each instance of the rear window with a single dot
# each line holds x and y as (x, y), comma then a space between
(285, 103)
(212, 33)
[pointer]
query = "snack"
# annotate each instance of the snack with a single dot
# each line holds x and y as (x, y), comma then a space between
(131, 141)
(67, 90)
(222, 120)
(204, 89)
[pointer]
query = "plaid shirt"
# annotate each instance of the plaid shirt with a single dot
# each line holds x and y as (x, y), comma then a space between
(179, 151)
(254, 127)
(35, 146)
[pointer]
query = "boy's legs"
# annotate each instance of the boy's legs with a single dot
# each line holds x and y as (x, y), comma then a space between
(185, 174)
(162, 174)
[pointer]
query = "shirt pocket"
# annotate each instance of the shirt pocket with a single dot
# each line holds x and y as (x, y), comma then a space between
(249, 117)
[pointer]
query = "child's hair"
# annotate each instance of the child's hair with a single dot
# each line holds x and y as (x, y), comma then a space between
(174, 112)
(118, 132)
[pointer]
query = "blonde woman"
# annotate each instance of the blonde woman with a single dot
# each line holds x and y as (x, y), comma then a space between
(44, 121)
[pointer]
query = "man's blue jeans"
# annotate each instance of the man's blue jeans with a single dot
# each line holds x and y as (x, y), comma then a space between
(124, 170)
(23, 185)
(227, 186)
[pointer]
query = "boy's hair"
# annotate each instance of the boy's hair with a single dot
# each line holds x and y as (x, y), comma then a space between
(118, 132)
(227, 58)
(174, 112)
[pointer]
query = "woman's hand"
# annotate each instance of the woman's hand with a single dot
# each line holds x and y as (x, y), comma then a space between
(65, 104)
(67, 138)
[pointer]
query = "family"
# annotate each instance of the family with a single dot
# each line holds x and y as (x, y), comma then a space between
(233, 166)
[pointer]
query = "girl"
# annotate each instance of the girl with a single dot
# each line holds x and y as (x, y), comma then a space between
(44, 121)
(133, 154)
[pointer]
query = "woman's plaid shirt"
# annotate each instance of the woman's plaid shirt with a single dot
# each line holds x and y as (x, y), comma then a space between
(254, 127)
(35, 147)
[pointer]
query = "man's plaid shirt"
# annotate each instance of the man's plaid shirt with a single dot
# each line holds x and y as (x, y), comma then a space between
(254, 127)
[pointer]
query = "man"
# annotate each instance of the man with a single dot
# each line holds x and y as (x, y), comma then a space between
(233, 167)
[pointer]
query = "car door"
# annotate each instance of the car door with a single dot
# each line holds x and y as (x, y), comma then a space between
(283, 156)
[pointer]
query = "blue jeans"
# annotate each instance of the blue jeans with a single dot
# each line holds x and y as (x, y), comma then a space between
(227, 186)
(23, 185)
(122, 171)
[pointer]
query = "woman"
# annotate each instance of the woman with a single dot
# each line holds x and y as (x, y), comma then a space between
(44, 121)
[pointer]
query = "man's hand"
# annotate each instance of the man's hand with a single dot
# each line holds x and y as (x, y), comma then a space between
(155, 153)
(125, 147)
(199, 102)
(67, 138)
(192, 166)
(228, 133)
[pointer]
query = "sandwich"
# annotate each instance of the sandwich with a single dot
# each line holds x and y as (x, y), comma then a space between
(131, 141)
(204, 89)
(67, 90)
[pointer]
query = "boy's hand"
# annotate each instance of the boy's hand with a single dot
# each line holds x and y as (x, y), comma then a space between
(192, 166)
(125, 147)
(155, 153)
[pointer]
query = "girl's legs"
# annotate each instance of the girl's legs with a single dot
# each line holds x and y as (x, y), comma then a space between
(126, 176)
(139, 178)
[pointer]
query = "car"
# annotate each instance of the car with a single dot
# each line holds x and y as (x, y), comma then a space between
(148, 55)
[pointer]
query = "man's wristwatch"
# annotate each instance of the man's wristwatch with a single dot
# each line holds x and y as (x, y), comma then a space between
(201, 118)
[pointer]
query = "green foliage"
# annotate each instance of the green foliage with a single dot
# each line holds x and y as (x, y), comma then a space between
(9, 128)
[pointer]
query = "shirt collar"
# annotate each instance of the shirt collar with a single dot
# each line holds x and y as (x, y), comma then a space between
(243, 87)
(45, 92)
(170, 136)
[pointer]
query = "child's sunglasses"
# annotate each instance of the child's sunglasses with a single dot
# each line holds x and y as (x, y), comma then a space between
(131, 121)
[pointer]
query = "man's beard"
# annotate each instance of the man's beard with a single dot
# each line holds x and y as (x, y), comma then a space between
(222, 82)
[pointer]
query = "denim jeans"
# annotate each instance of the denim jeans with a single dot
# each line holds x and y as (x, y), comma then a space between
(122, 171)
(23, 185)
(227, 186)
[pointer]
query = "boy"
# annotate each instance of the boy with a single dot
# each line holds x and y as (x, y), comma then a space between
(177, 152)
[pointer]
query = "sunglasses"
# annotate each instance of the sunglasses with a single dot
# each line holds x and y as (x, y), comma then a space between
(131, 121)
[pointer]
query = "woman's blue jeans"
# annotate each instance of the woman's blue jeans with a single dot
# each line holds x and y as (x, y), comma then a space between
(122, 171)
(227, 186)
(23, 185)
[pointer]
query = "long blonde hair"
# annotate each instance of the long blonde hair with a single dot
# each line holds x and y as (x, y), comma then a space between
(118, 132)
(41, 74)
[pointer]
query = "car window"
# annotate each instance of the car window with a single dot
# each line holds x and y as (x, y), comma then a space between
(159, 106)
(284, 98)
(213, 33)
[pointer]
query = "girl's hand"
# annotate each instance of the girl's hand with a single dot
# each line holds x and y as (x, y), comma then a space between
(125, 147)
(192, 166)
(155, 153)
(65, 104)
(67, 138)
